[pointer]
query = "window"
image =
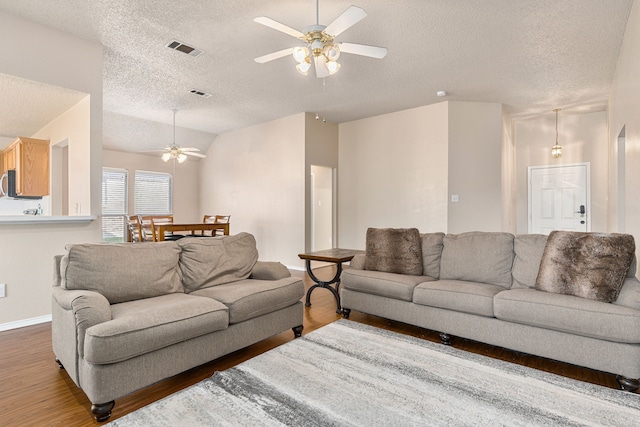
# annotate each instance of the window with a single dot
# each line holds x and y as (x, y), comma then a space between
(114, 204)
(152, 193)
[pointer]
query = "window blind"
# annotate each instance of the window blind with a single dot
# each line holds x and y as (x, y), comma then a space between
(114, 204)
(152, 193)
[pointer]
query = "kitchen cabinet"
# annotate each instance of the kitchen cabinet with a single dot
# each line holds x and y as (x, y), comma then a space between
(30, 158)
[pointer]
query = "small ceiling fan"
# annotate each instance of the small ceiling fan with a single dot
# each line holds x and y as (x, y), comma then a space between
(321, 48)
(175, 152)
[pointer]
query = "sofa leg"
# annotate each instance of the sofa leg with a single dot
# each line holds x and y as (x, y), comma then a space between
(297, 331)
(628, 384)
(346, 312)
(445, 338)
(102, 411)
(60, 365)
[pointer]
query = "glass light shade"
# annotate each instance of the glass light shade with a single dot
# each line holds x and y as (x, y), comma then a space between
(300, 53)
(181, 158)
(332, 52)
(166, 157)
(556, 151)
(303, 68)
(333, 67)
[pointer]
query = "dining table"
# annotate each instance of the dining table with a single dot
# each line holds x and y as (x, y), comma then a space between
(173, 231)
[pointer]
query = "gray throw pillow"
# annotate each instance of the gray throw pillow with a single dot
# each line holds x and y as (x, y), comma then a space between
(394, 250)
(587, 265)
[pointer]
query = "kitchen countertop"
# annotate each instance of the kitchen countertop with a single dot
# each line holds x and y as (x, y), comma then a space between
(44, 219)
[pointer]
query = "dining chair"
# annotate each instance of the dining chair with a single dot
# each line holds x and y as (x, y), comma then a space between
(216, 219)
(150, 224)
(135, 232)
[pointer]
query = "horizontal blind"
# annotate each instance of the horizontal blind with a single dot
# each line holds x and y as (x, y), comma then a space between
(152, 193)
(114, 204)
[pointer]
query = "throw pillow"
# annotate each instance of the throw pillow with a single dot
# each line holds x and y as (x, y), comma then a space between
(394, 250)
(587, 265)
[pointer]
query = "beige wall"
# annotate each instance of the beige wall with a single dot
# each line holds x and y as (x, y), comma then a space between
(475, 166)
(624, 112)
(186, 180)
(321, 149)
(583, 137)
(393, 173)
(44, 55)
(257, 175)
(509, 176)
(72, 128)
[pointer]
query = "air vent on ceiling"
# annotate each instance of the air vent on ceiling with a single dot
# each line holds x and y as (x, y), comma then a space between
(184, 48)
(200, 93)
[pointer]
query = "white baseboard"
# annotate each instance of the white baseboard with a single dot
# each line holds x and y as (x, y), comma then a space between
(26, 322)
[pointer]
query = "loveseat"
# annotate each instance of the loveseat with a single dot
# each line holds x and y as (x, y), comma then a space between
(503, 290)
(128, 315)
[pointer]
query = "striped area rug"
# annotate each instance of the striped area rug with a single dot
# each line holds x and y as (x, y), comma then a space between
(349, 374)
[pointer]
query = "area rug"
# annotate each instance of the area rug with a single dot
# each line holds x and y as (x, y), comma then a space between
(349, 374)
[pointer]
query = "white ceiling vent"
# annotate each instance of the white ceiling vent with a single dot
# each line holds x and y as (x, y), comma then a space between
(200, 93)
(184, 48)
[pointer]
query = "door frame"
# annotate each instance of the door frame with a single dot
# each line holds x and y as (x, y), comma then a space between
(530, 195)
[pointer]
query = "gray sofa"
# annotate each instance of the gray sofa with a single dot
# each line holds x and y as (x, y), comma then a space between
(128, 315)
(482, 286)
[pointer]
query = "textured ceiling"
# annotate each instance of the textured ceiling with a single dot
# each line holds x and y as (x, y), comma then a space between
(531, 56)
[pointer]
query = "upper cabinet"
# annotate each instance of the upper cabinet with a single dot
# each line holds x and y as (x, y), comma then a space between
(30, 159)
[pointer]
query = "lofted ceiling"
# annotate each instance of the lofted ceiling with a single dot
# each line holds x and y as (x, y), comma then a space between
(531, 56)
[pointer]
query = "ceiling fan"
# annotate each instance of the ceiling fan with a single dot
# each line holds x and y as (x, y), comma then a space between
(175, 152)
(321, 48)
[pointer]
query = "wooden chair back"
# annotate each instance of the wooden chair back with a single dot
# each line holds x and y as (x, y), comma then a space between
(216, 219)
(150, 222)
(134, 229)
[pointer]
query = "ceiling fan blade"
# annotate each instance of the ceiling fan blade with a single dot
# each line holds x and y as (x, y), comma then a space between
(268, 22)
(321, 67)
(349, 17)
(364, 50)
(191, 153)
(189, 149)
(274, 55)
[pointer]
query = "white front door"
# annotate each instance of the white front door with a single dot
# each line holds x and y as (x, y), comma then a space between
(559, 198)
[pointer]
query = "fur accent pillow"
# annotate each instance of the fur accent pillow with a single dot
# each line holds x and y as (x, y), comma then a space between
(587, 265)
(394, 250)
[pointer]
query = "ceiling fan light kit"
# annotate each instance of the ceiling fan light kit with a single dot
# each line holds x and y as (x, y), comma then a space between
(321, 50)
(174, 152)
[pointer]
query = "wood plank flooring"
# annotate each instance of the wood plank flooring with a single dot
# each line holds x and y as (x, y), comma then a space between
(34, 392)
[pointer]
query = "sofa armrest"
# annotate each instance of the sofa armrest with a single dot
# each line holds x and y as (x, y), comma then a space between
(357, 262)
(265, 270)
(85, 308)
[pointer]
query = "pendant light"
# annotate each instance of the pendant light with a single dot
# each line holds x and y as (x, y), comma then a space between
(556, 150)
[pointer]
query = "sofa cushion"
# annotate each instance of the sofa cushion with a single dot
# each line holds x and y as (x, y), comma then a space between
(394, 250)
(122, 271)
(458, 295)
(629, 295)
(587, 265)
(431, 253)
(269, 270)
(484, 257)
(567, 313)
(528, 249)
(251, 298)
(214, 261)
(392, 285)
(142, 326)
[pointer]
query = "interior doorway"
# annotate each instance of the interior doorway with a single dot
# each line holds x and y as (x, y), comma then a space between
(322, 208)
(559, 198)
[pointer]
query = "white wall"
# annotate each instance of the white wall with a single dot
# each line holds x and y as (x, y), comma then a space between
(393, 173)
(26, 265)
(186, 180)
(583, 137)
(624, 111)
(509, 176)
(475, 166)
(257, 175)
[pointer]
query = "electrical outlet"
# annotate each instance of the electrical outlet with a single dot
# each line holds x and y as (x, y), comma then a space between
(3, 290)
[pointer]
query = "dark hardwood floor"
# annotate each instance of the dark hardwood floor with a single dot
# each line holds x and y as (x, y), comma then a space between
(34, 392)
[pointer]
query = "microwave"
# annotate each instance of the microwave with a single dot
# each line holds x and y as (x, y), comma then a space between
(9, 180)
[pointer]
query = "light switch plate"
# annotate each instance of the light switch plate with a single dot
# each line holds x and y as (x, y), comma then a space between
(455, 198)
(3, 290)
